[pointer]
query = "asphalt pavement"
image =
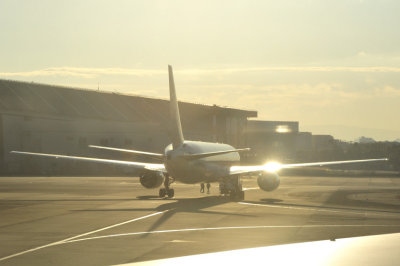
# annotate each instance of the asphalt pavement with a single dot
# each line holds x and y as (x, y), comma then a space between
(114, 220)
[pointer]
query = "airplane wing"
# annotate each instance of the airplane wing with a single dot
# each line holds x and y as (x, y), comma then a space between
(147, 154)
(274, 166)
(147, 166)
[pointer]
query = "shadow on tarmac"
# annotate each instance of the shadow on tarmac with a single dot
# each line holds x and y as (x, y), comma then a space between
(177, 205)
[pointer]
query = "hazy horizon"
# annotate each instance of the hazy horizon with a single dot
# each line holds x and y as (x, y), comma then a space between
(331, 65)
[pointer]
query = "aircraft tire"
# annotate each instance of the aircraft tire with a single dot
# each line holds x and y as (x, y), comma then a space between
(162, 192)
(171, 193)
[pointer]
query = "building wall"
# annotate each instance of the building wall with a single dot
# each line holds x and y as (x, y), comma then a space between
(273, 126)
(71, 136)
(271, 140)
(281, 140)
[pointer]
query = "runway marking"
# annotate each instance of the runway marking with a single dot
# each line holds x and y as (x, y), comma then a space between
(319, 209)
(80, 235)
(229, 228)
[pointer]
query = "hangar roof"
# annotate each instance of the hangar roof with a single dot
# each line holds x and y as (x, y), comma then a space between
(41, 99)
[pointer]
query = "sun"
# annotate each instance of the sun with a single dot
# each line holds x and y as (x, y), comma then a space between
(272, 166)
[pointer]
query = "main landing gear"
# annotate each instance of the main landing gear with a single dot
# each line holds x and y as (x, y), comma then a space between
(232, 187)
(166, 190)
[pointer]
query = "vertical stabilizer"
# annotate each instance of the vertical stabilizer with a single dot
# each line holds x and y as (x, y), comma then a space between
(176, 128)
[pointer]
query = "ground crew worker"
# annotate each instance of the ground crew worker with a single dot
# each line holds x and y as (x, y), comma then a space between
(208, 188)
(202, 188)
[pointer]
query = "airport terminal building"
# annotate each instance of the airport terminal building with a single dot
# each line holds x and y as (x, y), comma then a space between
(61, 120)
(282, 141)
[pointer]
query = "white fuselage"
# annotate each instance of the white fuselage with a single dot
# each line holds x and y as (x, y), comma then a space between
(206, 169)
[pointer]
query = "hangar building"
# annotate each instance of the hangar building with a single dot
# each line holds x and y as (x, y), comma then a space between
(54, 119)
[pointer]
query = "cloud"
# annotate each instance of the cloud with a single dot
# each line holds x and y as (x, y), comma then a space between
(89, 73)
(387, 91)
(290, 94)
(362, 54)
(293, 96)
(84, 72)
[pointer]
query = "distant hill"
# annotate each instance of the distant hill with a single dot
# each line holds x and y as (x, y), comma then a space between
(365, 140)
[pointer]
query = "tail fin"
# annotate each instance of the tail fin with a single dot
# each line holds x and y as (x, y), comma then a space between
(176, 128)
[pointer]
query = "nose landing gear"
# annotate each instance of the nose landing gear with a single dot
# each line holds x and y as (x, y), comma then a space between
(166, 190)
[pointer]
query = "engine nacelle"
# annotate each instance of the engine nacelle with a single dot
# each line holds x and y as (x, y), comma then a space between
(152, 179)
(268, 181)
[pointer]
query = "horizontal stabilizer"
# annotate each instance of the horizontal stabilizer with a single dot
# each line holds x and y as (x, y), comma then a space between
(143, 153)
(209, 154)
(148, 166)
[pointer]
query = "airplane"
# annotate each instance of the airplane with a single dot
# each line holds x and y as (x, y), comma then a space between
(193, 162)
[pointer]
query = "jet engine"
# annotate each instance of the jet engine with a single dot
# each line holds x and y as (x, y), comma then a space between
(268, 181)
(152, 179)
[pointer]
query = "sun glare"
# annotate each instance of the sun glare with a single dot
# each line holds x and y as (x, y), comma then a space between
(282, 129)
(272, 166)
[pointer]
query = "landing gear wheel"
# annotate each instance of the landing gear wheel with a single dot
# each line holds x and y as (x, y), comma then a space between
(162, 192)
(166, 191)
(171, 193)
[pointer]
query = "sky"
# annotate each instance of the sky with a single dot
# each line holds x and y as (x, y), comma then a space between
(332, 65)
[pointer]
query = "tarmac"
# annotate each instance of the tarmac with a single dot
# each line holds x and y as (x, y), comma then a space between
(114, 220)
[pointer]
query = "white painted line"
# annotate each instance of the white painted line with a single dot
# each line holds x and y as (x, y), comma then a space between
(295, 208)
(77, 236)
(320, 209)
(180, 241)
(114, 225)
(230, 228)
